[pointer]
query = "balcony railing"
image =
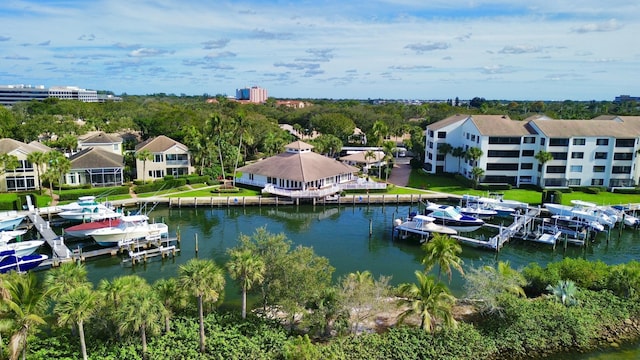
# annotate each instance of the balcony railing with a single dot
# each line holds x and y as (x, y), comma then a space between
(309, 193)
(178, 162)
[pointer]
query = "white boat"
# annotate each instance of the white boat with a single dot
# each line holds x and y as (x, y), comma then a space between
(10, 219)
(496, 202)
(83, 230)
(421, 225)
(10, 261)
(477, 210)
(132, 227)
(447, 215)
(582, 210)
(99, 212)
(8, 235)
(21, 248)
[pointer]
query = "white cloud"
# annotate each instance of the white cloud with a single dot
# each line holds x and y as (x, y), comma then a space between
(611, 25)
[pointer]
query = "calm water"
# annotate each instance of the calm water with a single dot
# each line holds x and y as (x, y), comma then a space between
(342, 235)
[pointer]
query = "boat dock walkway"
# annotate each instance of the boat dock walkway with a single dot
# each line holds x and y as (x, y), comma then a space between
(522, 222)
(56, 242)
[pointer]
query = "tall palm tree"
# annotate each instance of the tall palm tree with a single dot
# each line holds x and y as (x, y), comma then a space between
(204, 280)
(476, 174)
(8, 162)
(368, 155)
(543, 157)
(443, 251)
(380, 130)
(248, 269)
(144, 156)
(171, 297)
(141, 310)
(387, 148)
(445, 149)
(473, 154)
(59, 165)
(458, 152)
(428, 299)
(27, 305)
(75, 307)
(38, 159)
(66, 277)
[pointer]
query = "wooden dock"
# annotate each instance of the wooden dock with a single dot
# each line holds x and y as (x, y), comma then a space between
(56, 242)
(522, 222)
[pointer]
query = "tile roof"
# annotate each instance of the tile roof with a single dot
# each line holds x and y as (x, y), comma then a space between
(499, 125)
(305, 167)
(96, 158)
(620, 127)
(447, 121)
(159, 144)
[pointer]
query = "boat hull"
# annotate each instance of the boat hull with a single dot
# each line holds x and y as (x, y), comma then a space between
(11, 262)
(22, 248)
(10, 222)
(83, 230)
(112, 236)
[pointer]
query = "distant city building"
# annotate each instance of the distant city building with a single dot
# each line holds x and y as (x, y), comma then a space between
(11, 94)
(253, 94)
(623, 98)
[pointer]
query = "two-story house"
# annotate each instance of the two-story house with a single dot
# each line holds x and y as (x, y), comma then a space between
(168, 157)
(25, 175)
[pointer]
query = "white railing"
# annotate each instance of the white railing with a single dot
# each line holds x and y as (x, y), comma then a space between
(363, 185)
(315, 193)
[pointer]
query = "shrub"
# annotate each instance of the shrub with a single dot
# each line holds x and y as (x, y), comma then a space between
(198, 179)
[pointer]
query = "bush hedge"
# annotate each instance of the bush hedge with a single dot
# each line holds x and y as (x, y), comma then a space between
(160, 185)
(75, 193)
(198, 179)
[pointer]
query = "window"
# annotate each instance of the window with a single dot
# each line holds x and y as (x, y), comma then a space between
(576, 168)
(115, 147)
(529, 140)
(559, 155)
(504, 140)
(251, 177)
(602, 142)
(597, 182)
(503, 153)
(430, 144)
(527, 153)
(623, 156)
(473, 138)
(442, 134)
(556, 169)
(542, 141)
(526, 166)
(440, 157)
(20, 183)
(625, 142)
(158, 158)
(574, 182)
(621, 170)
(577, 155)
(558, 142)
(468, 136)
(579, 141)
(500, 166)
(598, 169)
(601, 155)
(526, 179)
(430, 133)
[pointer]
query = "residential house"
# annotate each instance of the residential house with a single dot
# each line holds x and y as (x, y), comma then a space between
(98, 139)
(95, 166)
(298, 172)
(169, 157)
(361, 160)
(25, 176)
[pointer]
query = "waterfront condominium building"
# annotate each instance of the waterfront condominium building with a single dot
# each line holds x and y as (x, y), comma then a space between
(253, 94)
(597, 152)
(11, 94)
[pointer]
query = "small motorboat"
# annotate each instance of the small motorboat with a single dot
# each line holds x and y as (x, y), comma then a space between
(130, 228)
(9, 261)
(21, 248)
(10, 219)
(8, 235)
(448, 216)
(83, 230)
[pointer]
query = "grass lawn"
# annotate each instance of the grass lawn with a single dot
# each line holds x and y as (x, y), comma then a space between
(448, 184)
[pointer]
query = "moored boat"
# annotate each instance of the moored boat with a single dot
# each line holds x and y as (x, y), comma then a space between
(448, 216)
(9, 261)
(83, 230)
(21, 248)
(131, 227)
(10, 219)
(421, 225)
(8, 235)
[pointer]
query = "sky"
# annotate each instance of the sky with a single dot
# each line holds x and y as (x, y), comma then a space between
(376, 49)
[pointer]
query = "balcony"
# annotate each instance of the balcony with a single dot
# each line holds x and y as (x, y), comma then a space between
(177, 162)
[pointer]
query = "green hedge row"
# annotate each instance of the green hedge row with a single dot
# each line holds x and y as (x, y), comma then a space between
(160, 185)
(97, 192)
(198, 179)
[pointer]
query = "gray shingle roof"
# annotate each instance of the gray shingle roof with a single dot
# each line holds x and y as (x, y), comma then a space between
(500, 125)
(8, 145)
(159, 144)
(102, 138)
(96, 158)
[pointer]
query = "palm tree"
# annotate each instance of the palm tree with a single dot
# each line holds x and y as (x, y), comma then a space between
(59, 165)
(444, 149)
(509, 279)
(388, 147)
(428, 299)
(204, 280)
(543, 157)
(141, 310)
(473, 154)
(37, 158)
(8, 162)
(380, 130)
(368, 155)
(144, 156)
(171, 297)
(75, 307)
(442, 250)
(459, 153)
(476, 173)
(68, 276)
(27, 305)
(248, 269)
(564, 292)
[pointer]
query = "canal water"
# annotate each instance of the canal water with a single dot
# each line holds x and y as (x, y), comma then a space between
(353, 238)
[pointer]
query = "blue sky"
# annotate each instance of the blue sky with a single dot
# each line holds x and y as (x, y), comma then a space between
(392, 49)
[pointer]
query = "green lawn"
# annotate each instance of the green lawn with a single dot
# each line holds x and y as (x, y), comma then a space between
(449, 184)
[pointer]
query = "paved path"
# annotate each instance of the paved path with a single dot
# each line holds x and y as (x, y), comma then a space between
(400, 173)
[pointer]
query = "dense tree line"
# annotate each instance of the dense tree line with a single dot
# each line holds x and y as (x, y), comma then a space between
(224, 134)
(299, 313)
